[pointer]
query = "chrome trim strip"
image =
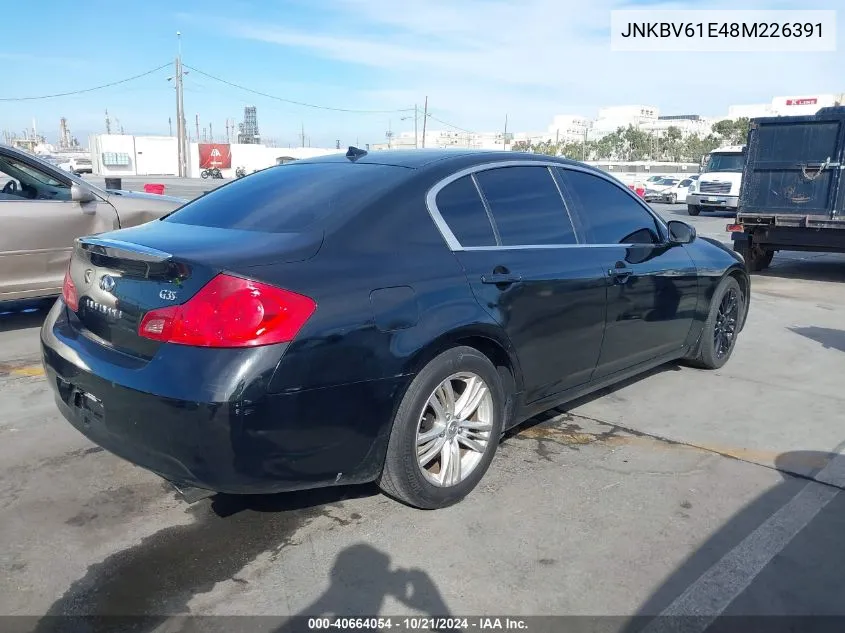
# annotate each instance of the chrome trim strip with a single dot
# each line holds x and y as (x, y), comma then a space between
(551, 246)
(496, 235)
(118, 248)
(565, 206)
(452, 241)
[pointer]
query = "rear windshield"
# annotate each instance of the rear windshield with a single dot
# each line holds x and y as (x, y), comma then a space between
(291, 197)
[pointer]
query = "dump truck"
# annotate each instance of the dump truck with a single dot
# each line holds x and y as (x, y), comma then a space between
(717, 188)
(792, 195)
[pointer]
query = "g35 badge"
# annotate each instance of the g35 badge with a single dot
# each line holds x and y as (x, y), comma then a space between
(167, 295)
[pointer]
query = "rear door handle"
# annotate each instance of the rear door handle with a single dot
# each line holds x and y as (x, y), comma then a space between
(620, 273)
(501, 278)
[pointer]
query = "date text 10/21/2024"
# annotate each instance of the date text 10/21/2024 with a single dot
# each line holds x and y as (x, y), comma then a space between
(418, 624)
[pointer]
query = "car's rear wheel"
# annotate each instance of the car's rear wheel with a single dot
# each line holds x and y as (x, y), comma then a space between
(446, 430)
(673, 198)
(718, 338)
(693, 209)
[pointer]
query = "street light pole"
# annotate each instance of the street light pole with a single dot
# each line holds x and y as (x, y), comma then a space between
(182, 145)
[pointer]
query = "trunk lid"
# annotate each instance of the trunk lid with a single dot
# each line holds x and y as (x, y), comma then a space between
(122, 275)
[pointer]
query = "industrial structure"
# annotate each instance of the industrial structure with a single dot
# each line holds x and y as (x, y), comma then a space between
(248, 130)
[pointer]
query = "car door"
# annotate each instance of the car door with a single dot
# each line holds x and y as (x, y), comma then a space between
(652, 283)
(38, 225)
(515, 240)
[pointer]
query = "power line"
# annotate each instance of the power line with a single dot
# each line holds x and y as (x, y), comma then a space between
(299, 103)
(460, 129)
(79, 92)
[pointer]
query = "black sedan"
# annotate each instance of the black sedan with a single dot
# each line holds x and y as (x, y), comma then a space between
(376, 317)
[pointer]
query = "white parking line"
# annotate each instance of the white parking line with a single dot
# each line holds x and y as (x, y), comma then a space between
(713, 592)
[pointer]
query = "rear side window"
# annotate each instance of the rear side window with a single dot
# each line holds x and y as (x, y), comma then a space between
(526, 206)
(461, 207)
(289, 198)
(608, 213)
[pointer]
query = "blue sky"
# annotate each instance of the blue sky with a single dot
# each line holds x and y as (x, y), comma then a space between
(477, 60)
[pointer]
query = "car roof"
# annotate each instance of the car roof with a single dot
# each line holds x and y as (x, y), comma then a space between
(422, 159)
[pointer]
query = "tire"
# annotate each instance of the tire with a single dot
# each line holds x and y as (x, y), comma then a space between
(756, 259)
(708, 354)
(204, 175)
(673, 198)
(403, 478)
(693, 209)
(766, 260)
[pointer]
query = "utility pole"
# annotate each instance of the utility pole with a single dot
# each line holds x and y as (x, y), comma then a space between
(210, 133)
(170, 125)
(303, 134)
(227, 129)
(425, 119)
(505, 135)
(108, 123)
(416, 116)
(198, 126)
(181, 131)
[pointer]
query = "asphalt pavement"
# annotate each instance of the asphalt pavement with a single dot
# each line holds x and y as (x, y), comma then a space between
(684, 492)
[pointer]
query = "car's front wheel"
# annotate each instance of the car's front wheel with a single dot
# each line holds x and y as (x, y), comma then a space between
(724, 320)
(446, 430)
(693, 209)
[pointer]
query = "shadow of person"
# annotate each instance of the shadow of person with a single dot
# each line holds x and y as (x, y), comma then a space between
(361, 579)
(771, 567)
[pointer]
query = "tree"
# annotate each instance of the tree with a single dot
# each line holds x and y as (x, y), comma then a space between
(521, 146)
(732, 131)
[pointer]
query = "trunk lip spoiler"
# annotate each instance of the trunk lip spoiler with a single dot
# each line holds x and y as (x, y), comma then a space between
(120, 249)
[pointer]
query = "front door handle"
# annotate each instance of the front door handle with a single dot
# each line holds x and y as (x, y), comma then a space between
(501, 278)
(620, 273)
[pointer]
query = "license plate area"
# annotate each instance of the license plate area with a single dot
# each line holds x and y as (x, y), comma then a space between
(89, 408)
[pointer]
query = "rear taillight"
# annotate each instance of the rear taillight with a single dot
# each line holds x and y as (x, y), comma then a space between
(69, 294)
(230, 312)
(735, 228)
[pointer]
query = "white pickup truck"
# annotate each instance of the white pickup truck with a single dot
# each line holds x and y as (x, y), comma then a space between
(718, 186)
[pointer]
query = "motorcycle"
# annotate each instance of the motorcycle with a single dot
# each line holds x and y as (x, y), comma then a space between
(212, 172)
(240, 172)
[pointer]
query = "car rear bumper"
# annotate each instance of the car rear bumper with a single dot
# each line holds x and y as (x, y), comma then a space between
(251, 441)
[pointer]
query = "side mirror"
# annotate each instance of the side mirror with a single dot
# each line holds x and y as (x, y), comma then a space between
(681, 232)
(81, 194)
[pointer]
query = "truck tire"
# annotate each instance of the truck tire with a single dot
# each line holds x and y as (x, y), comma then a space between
(756, 258)
(693, 209)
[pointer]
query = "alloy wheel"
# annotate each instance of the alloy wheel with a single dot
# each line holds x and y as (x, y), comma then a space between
(724, 330)
(454, 429)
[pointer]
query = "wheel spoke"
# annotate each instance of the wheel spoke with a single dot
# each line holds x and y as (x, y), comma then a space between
(446, 396)
(470, 399)
(450, 463)
(471, 443)
(431, 451)
(437, 406)
(424, 438)
(476, 425)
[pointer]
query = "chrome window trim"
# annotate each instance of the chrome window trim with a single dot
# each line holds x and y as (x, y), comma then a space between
(454, 244)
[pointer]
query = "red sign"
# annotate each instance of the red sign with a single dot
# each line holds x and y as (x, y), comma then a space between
(215, 155)
(799, 102)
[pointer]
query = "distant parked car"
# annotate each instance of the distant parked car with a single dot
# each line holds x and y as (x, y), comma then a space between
(675, 193)
(654, 190)
(276, 335)
(44, 208)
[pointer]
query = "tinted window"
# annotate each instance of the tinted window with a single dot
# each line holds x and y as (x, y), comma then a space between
(290, 197)
(526, 206)
(608, 212)
(460, 205)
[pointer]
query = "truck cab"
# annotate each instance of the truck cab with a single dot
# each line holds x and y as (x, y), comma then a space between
(718, 186)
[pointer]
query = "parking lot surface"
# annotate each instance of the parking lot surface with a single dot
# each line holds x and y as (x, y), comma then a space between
(682, 492)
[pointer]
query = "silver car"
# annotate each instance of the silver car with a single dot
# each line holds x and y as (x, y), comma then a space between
(43, 209)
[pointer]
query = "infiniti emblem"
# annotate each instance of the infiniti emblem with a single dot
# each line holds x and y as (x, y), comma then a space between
(107, 283)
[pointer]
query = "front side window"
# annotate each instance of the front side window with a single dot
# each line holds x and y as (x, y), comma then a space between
(608, 213)
(526, 206)
(460, 206)
(19, 181)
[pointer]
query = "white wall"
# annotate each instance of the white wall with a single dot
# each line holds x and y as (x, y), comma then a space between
(252, 157)
(116, 143)
(156, 155)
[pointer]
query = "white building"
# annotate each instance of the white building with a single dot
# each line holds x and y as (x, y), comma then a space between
(612, 118)
(687, 124)
(568, 128)
(794, 105)
(116, 155)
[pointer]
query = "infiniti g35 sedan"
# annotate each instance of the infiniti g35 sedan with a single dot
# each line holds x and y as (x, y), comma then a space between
(376, 317)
